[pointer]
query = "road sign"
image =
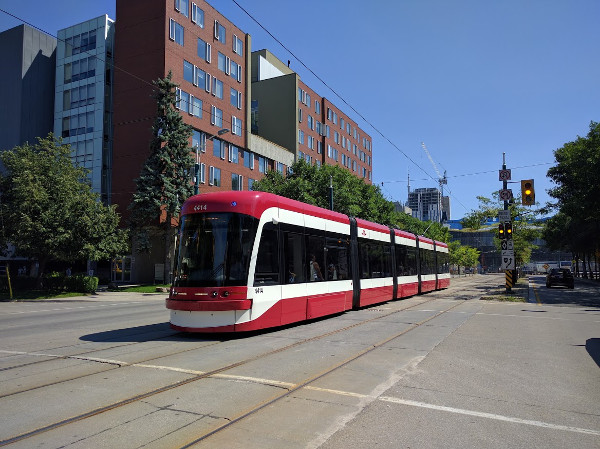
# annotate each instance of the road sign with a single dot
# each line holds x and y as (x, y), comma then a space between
(504, 175)
(506, 194)
(508, 260)
(503, 215)
(507, 245)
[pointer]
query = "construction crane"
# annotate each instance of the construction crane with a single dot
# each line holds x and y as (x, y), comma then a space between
(441, 179)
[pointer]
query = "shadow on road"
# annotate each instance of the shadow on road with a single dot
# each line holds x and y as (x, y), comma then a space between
(162, 331)
(593, 348)
(138, 334)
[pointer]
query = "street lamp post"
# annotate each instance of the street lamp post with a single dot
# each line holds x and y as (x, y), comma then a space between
(197, 165)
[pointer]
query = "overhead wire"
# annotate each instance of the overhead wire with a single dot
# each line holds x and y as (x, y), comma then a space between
(368, 122)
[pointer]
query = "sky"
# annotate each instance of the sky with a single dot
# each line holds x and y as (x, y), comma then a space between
(474, 80)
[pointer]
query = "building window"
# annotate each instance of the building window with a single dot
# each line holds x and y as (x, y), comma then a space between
(236, 125)
(188, 71)
(236, 71)
(214, 176)
(310, 122)
(80, 43)
(317, 107)
(204, 50)
(182, 100)
(183, 6)
(279, 167)
(299, 115)
(197, 15)
(199, 140)
(219, 148)
(311, 142)
(249, 160)
(250, 183)
(301, 136)
(203, 173)
(237, 181)
(238, 45)
(219, 32)
(78, 124)
(176, 32)
(224, 63)
(79, 96)
(196, 107)
(216, 116)
(202, 79)
(217, 88)
(263, 164)
(81, 69)
(236, 98)
(233, 154)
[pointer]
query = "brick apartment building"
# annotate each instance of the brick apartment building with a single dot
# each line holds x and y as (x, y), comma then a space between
(287, 111)
(211, 60)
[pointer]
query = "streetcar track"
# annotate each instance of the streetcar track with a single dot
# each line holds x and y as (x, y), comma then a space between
(117, 364)
(228, 367)
(80, 354)
(314, 378)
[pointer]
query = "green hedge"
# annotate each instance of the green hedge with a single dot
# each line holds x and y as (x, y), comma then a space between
(80, 283)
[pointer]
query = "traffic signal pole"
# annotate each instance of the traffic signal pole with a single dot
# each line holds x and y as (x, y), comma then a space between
(508, 274)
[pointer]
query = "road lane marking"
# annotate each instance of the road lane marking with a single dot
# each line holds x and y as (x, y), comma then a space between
(290, 385)
(60, 309)
(490, 416)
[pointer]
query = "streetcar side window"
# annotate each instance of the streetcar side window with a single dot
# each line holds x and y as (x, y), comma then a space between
(267, 261)
(427, 261)
(401, 267)
(338, 253)
(411, 261)
(375, 259)
(315, 249)
(294, 257)
(443, 263)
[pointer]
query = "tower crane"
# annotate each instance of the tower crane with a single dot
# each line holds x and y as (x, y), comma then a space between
(441, 179)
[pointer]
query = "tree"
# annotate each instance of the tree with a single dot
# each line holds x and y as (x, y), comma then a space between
(576, 227)
(49, 211)
(164, 182)
(463, 255)
(351, 196)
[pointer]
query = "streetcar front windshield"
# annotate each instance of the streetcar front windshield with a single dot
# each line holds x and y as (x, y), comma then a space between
(214, 250)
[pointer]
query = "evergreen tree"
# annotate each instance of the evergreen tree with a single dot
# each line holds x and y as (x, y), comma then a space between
(164, 182)
(49, 211)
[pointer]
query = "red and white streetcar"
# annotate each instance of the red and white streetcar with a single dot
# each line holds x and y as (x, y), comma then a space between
(253, 260)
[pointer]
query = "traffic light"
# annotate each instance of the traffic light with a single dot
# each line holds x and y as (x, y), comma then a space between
(508, 229)
(501, 233)
(527, 192)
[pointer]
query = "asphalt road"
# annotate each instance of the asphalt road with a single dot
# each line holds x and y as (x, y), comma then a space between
(439, 370)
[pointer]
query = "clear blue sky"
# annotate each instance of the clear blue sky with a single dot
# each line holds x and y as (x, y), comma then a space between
(470, 78)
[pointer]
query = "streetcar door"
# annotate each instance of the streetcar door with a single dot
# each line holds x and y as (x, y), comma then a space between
(354, 264)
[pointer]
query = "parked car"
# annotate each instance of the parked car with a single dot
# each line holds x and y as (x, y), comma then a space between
(560, 276)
